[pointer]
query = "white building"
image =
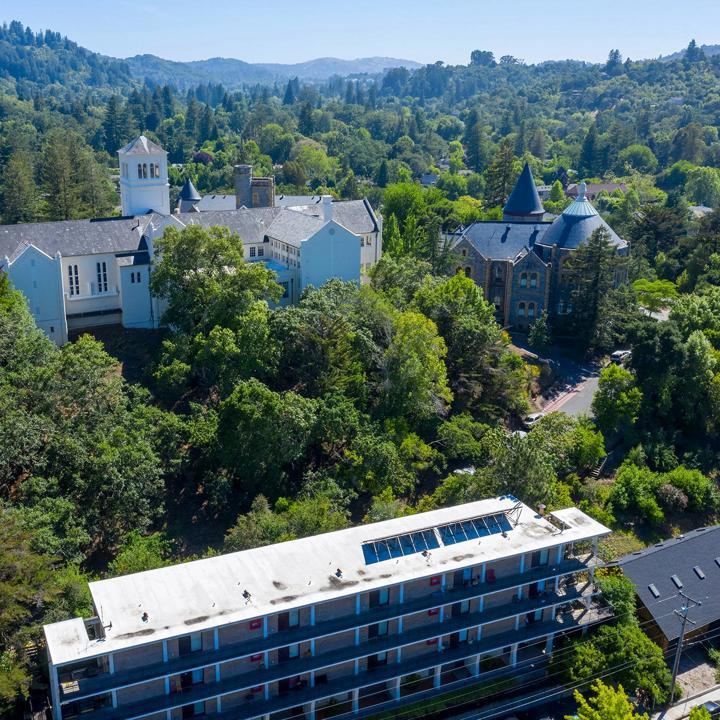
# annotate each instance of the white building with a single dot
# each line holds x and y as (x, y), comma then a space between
(347, 623)
(78, 274)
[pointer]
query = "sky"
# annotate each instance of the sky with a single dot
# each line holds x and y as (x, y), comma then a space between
(423, 30)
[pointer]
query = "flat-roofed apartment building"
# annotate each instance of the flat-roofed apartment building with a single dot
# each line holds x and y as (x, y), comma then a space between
(337, 625)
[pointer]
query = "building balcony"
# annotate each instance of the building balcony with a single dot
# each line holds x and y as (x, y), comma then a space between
(563, 621)
(101, 683)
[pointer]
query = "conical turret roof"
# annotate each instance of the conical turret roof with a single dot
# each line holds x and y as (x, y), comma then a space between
(189, 192)
(524, 199)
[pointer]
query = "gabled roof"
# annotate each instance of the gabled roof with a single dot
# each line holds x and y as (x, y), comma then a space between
(188, 192)
(503, 240)
(524, 199)
(74, 237)
(678, 557)
(141, 146)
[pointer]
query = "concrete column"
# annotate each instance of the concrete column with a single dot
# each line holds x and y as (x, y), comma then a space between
(483, 570)
(549, 644)
(442, 613)
(474, 666)
(312, 678)
(216, 639)
(217, 673)
(167, 685)
(513, 655)
(356, 670)
(436, 678)
(111, 664)
(113, 697)
(402, 593)
(443, 581)
(266, 691)
(559, 554)
(312, 647)
(517, 623)
(357, 604)
(399, 654)
(482, 603)
(168, 715)
(356, 700)
(400, 625)
(265, 626)
(312, 615)
(522, 563)
(479, 633)
(395, 688)
(311, 712)
(357, 636)
(218, 701)
(519, 593)
(165, 651)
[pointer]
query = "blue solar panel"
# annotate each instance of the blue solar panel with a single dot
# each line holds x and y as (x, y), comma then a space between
(416, 542)
(393, 547)
(473, 529)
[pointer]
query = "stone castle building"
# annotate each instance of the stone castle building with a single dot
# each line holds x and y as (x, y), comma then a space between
(519, 261)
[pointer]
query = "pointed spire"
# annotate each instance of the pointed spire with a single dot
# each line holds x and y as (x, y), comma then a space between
(524, 201)
(189, 192)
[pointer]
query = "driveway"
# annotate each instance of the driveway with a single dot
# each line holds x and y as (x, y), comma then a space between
(574, 399)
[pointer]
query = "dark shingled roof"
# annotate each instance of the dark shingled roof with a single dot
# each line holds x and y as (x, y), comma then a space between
(504, 240)
(73, 237)
(189, 192)
(656, 565)
(524, 199)
(570, 231)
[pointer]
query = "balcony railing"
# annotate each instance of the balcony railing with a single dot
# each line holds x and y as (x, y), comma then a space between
(302, 666)
(85, 687)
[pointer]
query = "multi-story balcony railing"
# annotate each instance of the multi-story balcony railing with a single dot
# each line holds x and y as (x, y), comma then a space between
(307, 665)
(85, 687)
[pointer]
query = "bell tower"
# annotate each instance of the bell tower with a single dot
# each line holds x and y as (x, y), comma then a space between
(144, 185)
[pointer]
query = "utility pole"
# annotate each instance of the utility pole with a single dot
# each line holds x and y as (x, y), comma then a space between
(683, 615)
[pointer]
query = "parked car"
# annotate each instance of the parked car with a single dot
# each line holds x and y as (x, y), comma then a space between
(533, 419)
(712, 707)
(620, 357)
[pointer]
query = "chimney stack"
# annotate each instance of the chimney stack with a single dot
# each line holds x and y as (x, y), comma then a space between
(243, 186)
(327, 210)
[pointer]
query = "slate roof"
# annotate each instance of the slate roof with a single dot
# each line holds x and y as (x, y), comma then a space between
(504, 240)
(122, 235)
(141, 146)
(188, 192)
(656, 566)
(575, 226)
(524, 199)
(73, 237)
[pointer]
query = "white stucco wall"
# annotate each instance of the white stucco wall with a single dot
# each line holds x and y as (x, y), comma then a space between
(332, 252)
(37, 277)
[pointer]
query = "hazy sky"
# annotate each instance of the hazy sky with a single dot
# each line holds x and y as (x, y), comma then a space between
(423, 30)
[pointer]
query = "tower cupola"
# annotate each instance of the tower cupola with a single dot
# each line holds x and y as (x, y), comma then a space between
(144, 185)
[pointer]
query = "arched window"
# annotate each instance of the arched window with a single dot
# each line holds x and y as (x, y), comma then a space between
(140, 171)
(498, 272)
(468, 271)
(531, 311)
(464, 252)
(523, 280)
(521, 310)
(533, 280)
(145, 171)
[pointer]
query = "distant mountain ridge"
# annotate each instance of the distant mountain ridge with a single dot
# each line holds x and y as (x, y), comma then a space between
(709, 50)
(232, 73)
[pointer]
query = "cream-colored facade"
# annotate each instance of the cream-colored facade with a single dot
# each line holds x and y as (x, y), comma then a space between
(369, 621)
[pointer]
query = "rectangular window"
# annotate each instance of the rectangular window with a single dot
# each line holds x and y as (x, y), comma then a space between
(379, 597)
(74, 280)
(293, 618)
(102, 283)
(368, 241)
(144, 171)
(261, 252)
(533, 280)
(294, 651)
(252, 252)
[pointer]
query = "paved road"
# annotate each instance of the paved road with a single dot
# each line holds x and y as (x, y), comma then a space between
(683, 708)
(576, 398)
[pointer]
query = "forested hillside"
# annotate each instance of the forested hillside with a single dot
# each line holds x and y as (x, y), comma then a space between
(252, 423)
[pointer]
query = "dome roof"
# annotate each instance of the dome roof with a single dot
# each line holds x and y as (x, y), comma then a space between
(189, 192)
(524, 199)
(576, 224)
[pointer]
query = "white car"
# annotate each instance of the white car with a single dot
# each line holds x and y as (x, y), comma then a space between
(620, 357)
(532, 420)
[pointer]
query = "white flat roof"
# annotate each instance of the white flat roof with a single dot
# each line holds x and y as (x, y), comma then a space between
(195, 596)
